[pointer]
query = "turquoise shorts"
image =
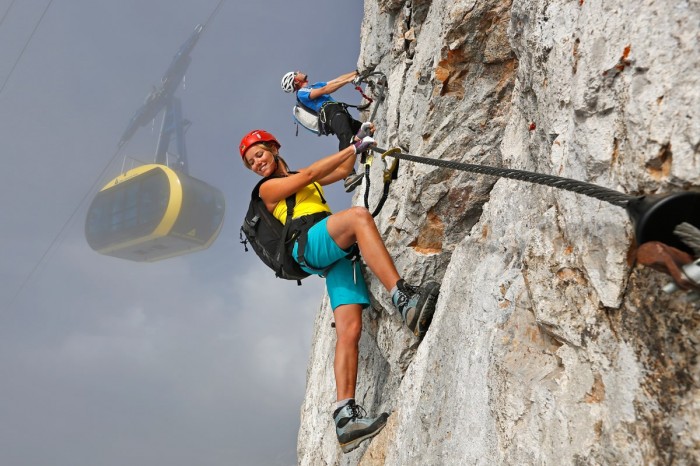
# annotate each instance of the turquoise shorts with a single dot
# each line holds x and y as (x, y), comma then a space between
(321, 253)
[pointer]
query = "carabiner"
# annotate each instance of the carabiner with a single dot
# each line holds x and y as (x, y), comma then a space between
(390, 172)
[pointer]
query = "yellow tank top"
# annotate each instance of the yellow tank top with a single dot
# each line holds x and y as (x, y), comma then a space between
(308, 201)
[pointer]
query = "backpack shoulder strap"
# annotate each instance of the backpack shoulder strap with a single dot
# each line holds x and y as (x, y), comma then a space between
(291, 200)
(256, 190)
(301, 104)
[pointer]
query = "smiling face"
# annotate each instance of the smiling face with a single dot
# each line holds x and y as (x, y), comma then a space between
(261, 158)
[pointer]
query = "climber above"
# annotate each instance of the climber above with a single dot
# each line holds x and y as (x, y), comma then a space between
(322, 244)
(333, 115)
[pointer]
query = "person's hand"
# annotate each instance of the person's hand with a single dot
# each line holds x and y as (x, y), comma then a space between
(356, 80)
(367, 129)
(364, 144)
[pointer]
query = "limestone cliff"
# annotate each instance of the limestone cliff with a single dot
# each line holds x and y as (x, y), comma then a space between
(549, 344)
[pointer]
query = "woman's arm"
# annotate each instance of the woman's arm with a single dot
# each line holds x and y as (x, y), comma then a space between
(340, 173)
(345, 168)
(325, 171)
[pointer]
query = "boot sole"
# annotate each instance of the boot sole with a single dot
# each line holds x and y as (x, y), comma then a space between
(351, 186)
(352, 445)
(427, 309)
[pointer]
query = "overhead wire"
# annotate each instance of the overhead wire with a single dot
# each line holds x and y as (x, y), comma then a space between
(65, 226)
(26, 44)
(94, 185)
(214, 13)
(6, 12)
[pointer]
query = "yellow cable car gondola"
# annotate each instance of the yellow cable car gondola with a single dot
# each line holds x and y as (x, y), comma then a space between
(153, 212)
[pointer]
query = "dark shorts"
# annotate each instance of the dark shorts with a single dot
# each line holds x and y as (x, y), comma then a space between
(339, 121)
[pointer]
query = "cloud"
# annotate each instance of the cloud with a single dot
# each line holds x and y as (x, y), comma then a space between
(199, 359)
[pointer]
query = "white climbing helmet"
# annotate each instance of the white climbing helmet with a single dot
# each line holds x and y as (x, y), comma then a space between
(288, 81)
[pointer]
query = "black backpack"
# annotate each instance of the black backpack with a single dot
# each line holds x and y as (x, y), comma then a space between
(271, 240)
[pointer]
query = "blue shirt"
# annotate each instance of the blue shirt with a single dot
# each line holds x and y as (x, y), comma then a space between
(313, 104)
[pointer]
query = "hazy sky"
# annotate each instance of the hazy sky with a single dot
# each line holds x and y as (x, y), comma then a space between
(195, 360)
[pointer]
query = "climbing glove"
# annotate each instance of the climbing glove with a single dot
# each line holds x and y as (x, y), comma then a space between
(363, 144)
(365, 130)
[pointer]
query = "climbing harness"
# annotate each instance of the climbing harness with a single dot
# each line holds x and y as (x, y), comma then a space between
(390, 174)
(316, 123)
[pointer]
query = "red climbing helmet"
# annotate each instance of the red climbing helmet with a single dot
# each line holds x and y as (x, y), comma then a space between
(256, 137)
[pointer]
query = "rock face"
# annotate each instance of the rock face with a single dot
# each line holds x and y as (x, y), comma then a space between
(549, 344)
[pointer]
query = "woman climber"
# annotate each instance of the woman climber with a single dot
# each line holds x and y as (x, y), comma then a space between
(327, 246)
(334, 115)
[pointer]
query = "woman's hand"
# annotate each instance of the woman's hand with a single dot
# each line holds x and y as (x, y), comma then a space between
(364, 144)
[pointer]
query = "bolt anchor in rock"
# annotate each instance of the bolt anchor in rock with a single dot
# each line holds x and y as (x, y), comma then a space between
(656, 216)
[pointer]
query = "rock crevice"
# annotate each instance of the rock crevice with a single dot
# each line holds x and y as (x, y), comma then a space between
(549, 345)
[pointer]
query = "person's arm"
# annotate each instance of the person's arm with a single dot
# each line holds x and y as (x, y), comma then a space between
(333, 85)
(276, 189)
(340, 173)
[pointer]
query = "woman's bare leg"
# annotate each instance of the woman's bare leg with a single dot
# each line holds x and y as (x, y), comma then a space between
(356, 225)
(348, 328)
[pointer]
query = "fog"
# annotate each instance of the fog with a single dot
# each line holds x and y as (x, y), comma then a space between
(198, 359)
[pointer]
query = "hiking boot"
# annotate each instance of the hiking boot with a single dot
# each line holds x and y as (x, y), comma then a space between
(352, 181)
(352, 427)
(416, 305)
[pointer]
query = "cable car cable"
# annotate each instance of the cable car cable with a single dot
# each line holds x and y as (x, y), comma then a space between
(36, 26)
(65, 226)
(214, 13)
(6, 12)
(93, 187)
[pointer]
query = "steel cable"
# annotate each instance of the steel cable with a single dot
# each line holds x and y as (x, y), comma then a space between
(580, 187)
